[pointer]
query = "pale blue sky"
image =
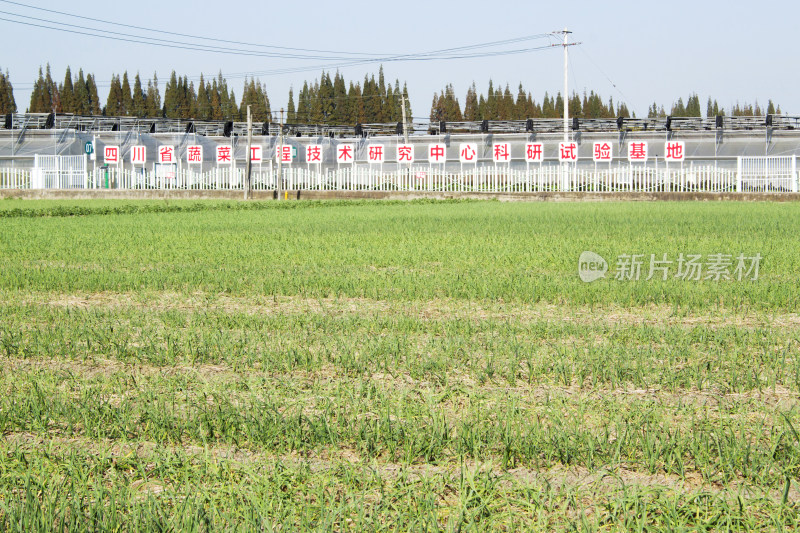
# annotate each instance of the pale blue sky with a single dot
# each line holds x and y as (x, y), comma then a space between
(651, 51)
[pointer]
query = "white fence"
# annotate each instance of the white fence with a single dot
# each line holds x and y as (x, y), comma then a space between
(433, 179)
(760, 174)
(59, 172)
(15, 178)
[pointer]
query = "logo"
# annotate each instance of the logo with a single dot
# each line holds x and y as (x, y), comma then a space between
(591, 267)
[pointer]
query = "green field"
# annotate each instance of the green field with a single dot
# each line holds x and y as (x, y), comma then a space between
(395, 366)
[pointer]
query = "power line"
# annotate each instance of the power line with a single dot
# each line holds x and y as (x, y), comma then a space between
(435, 55)
(127, 37)
(120, 24)
(153, 41)
(614, 85)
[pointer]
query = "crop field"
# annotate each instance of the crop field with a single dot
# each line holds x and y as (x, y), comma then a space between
(388, 366)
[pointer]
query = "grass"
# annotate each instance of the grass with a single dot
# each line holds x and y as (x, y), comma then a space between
(394, 366)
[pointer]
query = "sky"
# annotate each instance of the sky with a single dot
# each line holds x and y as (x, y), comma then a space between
(635, 52)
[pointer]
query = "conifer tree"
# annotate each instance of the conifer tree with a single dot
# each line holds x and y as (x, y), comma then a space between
(153, 98)
(520, 106)
(114, 102)
(52, 92)
(357, 113)
(339, 109)
(232, 112)
(558, 109)
(303, 105)
(81, 101)
(7, 103)
(203, 108)
(490, 109)
(67, 94)
(94, 99)
(171, 98)
(216, 101)
(139, 103)
(409, 113)
(397, 105)
(437, 109)
(127, 97)
(41, 100)
(291, 112)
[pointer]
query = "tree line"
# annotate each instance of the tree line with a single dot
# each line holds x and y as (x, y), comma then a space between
(210, 100)
(501, 104)
(333, 101)
(692, 108)
(325, 100)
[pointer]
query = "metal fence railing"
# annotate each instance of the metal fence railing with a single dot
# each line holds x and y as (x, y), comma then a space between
(750, 175)
(15, 178)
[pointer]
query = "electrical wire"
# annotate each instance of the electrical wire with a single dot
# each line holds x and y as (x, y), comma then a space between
(625, 99)
(120, 24)
(153, 41)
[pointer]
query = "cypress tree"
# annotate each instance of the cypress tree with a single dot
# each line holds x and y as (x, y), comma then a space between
(547, 106)
(67, 93)
(216, 101)
(203, 101)
(114, 103)
(520, 106)
(7, 103)
(678, 109)
(409, 113)
(291, 112)
(339, 108)
(437, 112)
(52, 92)
(94, 99)
(233, 111)
(372, 100)
(191, 100)
(139, 102)
(506, 105)
(397, 105)
(302, 105)
(452, 107)
(389, 112)
(36, 94)
(490, 109)
(171, 99)
(153, 99)
(4, 104)
(471, 103)
(357, 112)
(575, 106)
(80, 101)
(325, 96)
(558, 109)
(382, 101)
(127, 98)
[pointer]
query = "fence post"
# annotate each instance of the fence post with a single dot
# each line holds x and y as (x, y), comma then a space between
(794, 173)
(739, 174)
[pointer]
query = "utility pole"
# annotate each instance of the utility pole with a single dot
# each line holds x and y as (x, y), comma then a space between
(566, 85)
(405, 122)
(249, 152)
(280, 157)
